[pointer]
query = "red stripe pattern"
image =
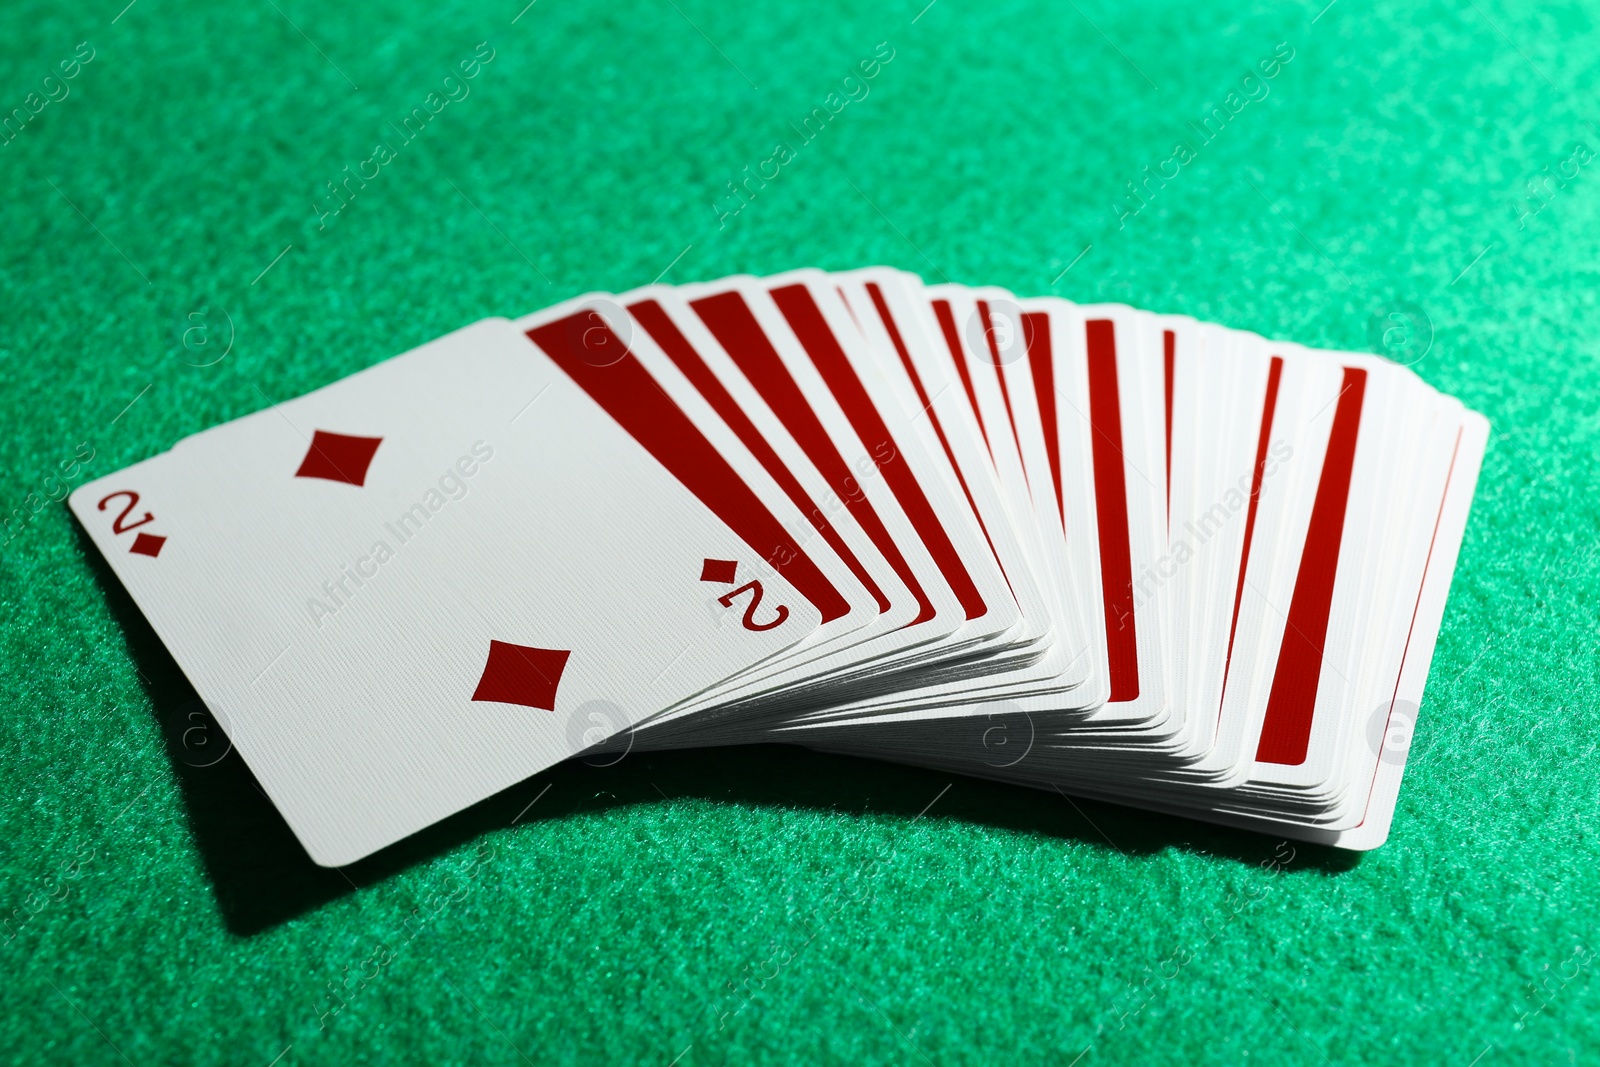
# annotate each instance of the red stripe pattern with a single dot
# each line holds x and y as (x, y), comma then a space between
(735, 327)
(805, 319)
(1111, 502)
(653, 317)
(628, 394)
(1286, 731)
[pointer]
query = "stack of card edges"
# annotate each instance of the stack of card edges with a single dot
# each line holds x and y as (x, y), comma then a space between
(1082, 548)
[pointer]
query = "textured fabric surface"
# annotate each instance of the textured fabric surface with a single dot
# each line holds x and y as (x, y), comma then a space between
(174, 256)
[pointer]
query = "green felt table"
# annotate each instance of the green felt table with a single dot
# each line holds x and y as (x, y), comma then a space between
(174, 256)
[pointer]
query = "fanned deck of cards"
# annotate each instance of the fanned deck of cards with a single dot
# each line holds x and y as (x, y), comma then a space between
(1117, 554)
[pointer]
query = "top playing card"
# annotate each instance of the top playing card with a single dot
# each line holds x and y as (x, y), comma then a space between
(417, 586)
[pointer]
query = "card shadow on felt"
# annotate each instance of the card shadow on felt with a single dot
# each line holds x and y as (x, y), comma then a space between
(262, 877)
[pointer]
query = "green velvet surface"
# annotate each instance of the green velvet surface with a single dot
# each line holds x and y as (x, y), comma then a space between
(770, 905)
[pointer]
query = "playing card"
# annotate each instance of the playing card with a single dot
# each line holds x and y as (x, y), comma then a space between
(414, 587)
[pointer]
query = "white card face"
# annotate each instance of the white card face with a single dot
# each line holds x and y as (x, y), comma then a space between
(417, 586)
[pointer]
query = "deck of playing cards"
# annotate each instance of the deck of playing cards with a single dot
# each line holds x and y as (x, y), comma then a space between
(1087, 548)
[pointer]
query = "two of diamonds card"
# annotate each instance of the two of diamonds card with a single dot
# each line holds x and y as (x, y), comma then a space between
(1087, 548)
